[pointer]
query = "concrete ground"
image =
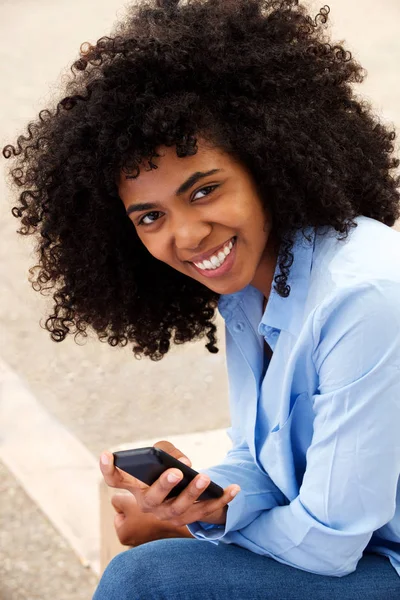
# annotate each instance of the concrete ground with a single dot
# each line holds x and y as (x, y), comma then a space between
(36, 562)
(101, 394)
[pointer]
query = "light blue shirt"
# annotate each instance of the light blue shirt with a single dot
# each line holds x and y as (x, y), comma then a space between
(316, 441)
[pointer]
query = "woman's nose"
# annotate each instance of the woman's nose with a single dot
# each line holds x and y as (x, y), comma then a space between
(189, 233)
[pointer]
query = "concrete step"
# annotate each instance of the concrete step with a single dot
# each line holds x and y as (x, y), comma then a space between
(59, 473)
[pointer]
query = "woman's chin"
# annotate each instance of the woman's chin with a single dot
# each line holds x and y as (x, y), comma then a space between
(226, 287)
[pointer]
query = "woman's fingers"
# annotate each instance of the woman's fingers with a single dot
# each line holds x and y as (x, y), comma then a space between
(123, 502)
(186, 499)
(123, 505)
(173, 451)
(179, 511)
(155, 495)
(119, 521)
(185, 509)
(117, 478)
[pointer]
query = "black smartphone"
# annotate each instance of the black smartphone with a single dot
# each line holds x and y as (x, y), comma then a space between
(147, 464)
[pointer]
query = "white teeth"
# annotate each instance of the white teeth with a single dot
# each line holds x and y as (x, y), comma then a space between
(216, 260)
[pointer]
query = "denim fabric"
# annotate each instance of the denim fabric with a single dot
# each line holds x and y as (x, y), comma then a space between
(178, 569)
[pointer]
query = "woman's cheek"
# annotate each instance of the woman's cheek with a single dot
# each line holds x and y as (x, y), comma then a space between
(158, 251)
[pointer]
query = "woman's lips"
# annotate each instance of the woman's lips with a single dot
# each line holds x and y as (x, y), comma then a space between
(202, 257)
(223, 269)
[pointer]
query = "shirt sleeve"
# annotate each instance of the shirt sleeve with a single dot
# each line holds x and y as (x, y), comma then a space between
(258, 492)
(350, 484)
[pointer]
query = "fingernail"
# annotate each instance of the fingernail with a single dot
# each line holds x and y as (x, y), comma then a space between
(201, 482)
(185, 460)
(234, 492)
(172, 478)
(104, 459)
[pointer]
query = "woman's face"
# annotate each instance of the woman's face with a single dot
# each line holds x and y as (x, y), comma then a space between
(202, 216)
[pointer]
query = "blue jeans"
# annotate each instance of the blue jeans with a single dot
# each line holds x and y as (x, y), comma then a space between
(188, 569)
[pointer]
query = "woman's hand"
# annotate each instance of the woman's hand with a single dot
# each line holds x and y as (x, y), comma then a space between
(134, 528)
(179, 511)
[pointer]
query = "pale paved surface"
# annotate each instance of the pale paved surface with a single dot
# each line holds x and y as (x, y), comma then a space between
(36, 563)
(102, 394)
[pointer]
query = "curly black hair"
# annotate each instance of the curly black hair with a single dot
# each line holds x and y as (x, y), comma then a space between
(260, 79)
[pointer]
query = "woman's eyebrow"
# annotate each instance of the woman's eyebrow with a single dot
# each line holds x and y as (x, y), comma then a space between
(184, 187)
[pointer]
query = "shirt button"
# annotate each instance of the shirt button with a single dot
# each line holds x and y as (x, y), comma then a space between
(238, 327)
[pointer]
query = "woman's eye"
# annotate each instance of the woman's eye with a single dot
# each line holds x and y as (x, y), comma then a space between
(154, 215)
(208, 187)
(149, 215)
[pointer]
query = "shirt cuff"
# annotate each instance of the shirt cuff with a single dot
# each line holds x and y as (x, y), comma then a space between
(208, 531)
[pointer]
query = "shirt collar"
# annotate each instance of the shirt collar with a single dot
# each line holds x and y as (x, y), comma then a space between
(281, 313)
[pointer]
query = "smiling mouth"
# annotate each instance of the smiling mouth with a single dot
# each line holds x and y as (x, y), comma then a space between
(217, 258)
(207, 256)
(221, 263)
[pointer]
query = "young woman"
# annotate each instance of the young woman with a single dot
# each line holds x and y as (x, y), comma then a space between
(213, 154)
